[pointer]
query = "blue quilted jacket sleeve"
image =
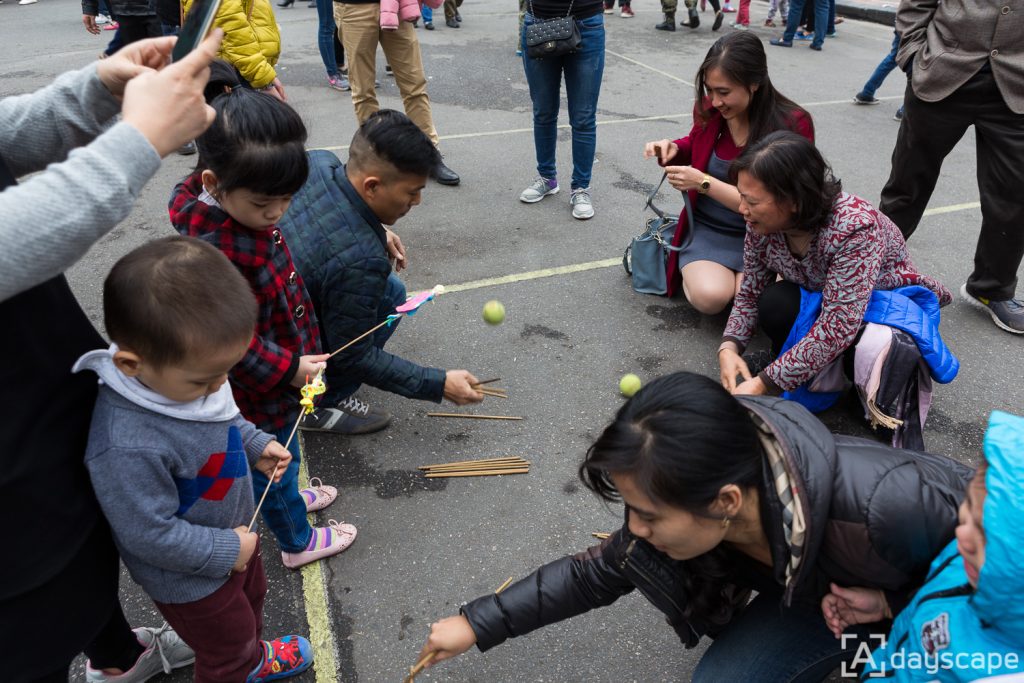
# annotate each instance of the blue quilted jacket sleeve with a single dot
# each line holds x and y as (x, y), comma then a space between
(342, 257)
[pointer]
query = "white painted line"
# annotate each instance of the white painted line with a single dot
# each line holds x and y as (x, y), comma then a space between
(611, 262)
(650, 68)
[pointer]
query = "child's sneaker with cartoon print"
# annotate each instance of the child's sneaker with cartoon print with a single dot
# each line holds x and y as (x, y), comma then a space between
(283, 657)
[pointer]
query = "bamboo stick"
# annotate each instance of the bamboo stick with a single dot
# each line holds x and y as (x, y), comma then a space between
(270, 481)
(414, 670)
(362, 336)
(600, 534)
(478, 463)
(495, 394)
(486, 381)
(483, 473)
(474, 417)
(482, 465)
(483, 468)
(471, 462)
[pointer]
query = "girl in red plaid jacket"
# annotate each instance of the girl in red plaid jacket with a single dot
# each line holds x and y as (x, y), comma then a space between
(251, 160)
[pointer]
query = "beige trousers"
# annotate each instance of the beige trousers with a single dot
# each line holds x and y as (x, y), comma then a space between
(359, 26)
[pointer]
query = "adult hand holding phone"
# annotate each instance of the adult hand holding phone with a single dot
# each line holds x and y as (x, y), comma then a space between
(167, 105)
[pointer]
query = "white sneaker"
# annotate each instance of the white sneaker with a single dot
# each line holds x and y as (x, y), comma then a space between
(582, 206)
(164, 652)
(28, 2)
(102, 19)
(541, 188)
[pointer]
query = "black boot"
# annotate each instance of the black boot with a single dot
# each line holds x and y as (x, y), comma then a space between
(693, 19)
(669, 24)
(445, 175)
(286, 3)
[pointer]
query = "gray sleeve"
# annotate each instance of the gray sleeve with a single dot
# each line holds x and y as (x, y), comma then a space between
(139, 499)
(52, 219)
(254, 440)
(42, 127)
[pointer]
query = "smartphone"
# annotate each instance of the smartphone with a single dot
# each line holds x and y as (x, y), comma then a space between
(195, 27)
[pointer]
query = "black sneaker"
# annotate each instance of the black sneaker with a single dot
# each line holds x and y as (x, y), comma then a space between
(1007, 315)
(351, 416)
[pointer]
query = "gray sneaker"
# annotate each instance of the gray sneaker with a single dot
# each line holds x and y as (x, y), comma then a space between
(164, 652)
(541, 188)
(1008, 314)
(582, 206)
(351, 416)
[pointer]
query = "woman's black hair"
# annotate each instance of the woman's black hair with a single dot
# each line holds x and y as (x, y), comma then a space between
(680, 440)
(791, 168)
(256, 142)
(741, 58)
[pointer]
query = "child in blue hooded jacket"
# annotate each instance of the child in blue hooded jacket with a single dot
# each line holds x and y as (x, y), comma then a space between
(967, 620)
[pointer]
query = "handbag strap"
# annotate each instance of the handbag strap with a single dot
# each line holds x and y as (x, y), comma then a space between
(571, 2)
(688, 235)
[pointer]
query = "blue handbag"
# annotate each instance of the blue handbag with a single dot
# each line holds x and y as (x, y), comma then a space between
(645, 259)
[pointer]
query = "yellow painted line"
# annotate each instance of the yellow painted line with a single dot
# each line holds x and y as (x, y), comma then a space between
(952, 208)
(608, 263)
(650, 68)
(533, 275)
(318, 613)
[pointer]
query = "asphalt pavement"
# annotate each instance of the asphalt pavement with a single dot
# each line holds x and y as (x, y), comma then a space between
(573, 328)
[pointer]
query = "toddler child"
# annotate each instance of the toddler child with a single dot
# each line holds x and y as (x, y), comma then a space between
(169, 454)
(967, 620)
(251, 160)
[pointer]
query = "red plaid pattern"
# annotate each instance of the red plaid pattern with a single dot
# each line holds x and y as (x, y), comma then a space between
(287, 326)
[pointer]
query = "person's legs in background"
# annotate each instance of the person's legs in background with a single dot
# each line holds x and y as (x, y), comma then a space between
(544, 78)
(133, 28)
(325, 42)
(820, 23)
(584, 70)
(359, 26)
(884, 68)
(428, 16)
(452, 18)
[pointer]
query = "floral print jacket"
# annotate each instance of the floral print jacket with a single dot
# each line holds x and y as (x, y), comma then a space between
(857, 251)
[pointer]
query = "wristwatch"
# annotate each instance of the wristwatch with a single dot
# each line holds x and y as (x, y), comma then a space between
(705, 184)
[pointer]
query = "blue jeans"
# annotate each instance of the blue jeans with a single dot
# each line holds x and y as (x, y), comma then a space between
(284, 510)
(882, 70)
(325, 36)
(338, 387)
(821, 14)
(583, 71)
(771, 643)
(427, 14)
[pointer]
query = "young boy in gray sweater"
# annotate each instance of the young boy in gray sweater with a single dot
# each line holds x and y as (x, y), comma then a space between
(169, 454)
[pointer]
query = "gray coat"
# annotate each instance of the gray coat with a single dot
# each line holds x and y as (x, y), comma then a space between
(950, 40)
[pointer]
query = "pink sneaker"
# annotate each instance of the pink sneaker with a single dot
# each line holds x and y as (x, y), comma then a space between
(112, 26)
(326, 541)
(318, 496)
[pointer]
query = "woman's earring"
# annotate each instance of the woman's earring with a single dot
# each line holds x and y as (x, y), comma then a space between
(726, 522)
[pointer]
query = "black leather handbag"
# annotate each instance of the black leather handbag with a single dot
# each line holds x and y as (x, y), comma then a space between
(553, 37)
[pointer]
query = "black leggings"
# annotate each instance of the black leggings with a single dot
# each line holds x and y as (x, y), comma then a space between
(777, 311)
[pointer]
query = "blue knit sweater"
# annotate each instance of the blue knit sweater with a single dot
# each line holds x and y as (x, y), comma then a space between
(173, 480)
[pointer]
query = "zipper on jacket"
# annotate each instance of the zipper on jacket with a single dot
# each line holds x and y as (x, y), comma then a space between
(648, 578)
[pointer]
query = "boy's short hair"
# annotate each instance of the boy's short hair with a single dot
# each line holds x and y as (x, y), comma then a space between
(174, 297)
(391, 137)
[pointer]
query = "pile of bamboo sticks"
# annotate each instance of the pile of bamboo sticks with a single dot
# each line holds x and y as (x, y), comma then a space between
(478, 468)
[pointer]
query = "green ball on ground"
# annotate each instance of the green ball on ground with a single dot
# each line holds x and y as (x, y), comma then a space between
(629, 384)
(494, 312)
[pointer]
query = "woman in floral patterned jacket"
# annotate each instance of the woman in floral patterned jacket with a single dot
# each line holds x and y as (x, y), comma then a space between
(803, 228)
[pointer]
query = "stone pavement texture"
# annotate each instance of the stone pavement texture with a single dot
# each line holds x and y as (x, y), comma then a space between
(425, 546)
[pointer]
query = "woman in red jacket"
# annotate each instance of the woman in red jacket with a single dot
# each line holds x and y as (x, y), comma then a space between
(736, 106)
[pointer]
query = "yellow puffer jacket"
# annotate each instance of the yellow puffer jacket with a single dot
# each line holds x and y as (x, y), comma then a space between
(251, 39)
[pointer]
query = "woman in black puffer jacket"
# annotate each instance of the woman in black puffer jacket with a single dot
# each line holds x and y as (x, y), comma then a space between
(725, 496)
